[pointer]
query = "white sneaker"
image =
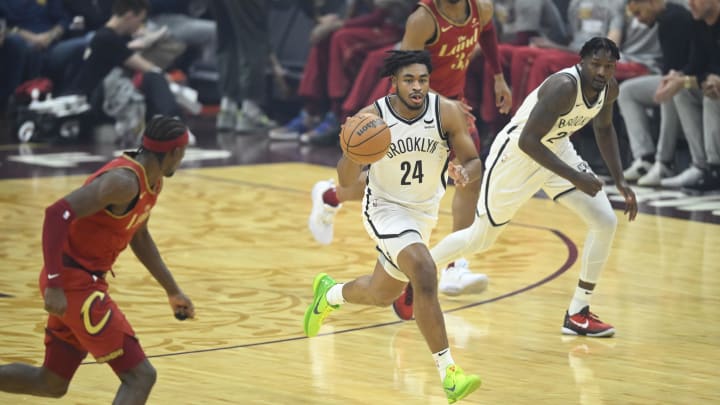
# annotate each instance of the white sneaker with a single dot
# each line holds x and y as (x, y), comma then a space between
(656, 173)
(322, 215)
(637, 169)
(458, 279)
(688, 177)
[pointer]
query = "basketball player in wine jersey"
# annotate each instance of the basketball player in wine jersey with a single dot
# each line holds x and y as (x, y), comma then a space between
(83, 234)
(534, 152)
(400, 208)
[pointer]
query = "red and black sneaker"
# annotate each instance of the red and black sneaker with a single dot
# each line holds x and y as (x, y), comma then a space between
(586, 323)
(403, 305)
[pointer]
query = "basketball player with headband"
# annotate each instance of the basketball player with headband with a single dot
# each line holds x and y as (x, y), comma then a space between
(83, 234)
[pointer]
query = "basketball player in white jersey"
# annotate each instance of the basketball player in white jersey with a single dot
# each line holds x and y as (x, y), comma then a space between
(534, 152)
(401, 205)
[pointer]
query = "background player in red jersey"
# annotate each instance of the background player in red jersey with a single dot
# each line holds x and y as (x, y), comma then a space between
(450, 30)
(83, 234)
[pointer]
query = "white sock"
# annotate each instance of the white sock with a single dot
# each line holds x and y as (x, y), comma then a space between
(580, 300)
(443, 359)
(334, 295)
(251, 108)
(228, 104)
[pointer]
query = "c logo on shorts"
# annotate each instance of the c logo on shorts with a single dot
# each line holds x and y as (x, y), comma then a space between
(86, 310)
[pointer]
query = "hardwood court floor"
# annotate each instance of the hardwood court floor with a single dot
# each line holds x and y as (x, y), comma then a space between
(236, 240)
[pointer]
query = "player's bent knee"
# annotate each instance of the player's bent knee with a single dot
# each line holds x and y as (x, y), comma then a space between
(605, 220)
(425, 281)
(141, 378)
(146, 373)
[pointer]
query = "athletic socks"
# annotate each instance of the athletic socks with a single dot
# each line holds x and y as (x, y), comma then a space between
(334, 295)
(580, 300)
(443, 359)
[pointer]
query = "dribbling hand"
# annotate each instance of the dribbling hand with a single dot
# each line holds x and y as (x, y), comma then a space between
(182, 306)
(55, 301)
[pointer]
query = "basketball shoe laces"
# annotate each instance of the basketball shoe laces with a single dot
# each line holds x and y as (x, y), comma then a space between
(328, 214)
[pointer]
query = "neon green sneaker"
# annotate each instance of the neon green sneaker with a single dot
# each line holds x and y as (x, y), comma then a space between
(319, 309)
(457, 385)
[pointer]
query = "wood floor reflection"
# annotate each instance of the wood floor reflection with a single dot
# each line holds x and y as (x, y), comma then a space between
(236, 240)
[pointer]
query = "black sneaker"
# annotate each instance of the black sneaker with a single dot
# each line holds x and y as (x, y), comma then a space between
(710, 180)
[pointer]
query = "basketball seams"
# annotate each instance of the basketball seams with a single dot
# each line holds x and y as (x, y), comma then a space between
(363, 150)
(367, 138)
(352, 133)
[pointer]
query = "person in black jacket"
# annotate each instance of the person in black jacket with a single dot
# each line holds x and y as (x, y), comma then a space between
(695, 90)
(651, 164)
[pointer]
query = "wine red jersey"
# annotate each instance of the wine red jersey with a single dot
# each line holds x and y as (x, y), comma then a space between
(451, 48)
(95, 241)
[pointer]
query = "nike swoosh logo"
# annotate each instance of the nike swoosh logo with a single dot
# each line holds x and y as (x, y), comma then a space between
(451, 389)
(52, 276)
(315, 310)
(429, 121)
(390, 126)
(446, 29)
(583, 325)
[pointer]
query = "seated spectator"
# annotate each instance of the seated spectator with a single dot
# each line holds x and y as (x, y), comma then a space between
(520, 22)
(197, 34)
(12, 63)
(675, 25)
(639, 46)
(41, 25)
(695, 90)
(109, 50)
(339, 47)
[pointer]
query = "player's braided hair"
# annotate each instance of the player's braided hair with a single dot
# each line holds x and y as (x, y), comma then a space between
(163, 128)
(597, 43)
(399, 59)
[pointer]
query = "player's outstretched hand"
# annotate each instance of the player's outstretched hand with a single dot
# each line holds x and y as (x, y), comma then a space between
(182, 306)
(631, 206)
(458, 174)
(55, 301)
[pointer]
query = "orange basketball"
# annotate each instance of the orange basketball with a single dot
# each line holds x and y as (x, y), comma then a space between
(365, 138)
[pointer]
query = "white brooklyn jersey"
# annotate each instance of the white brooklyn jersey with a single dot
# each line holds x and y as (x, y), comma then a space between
(558, 136)
(413, 173)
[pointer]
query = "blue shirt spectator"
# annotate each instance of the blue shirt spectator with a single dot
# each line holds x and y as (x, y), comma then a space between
(33, 16)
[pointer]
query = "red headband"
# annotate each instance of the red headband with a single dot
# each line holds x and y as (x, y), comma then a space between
(165, 146)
